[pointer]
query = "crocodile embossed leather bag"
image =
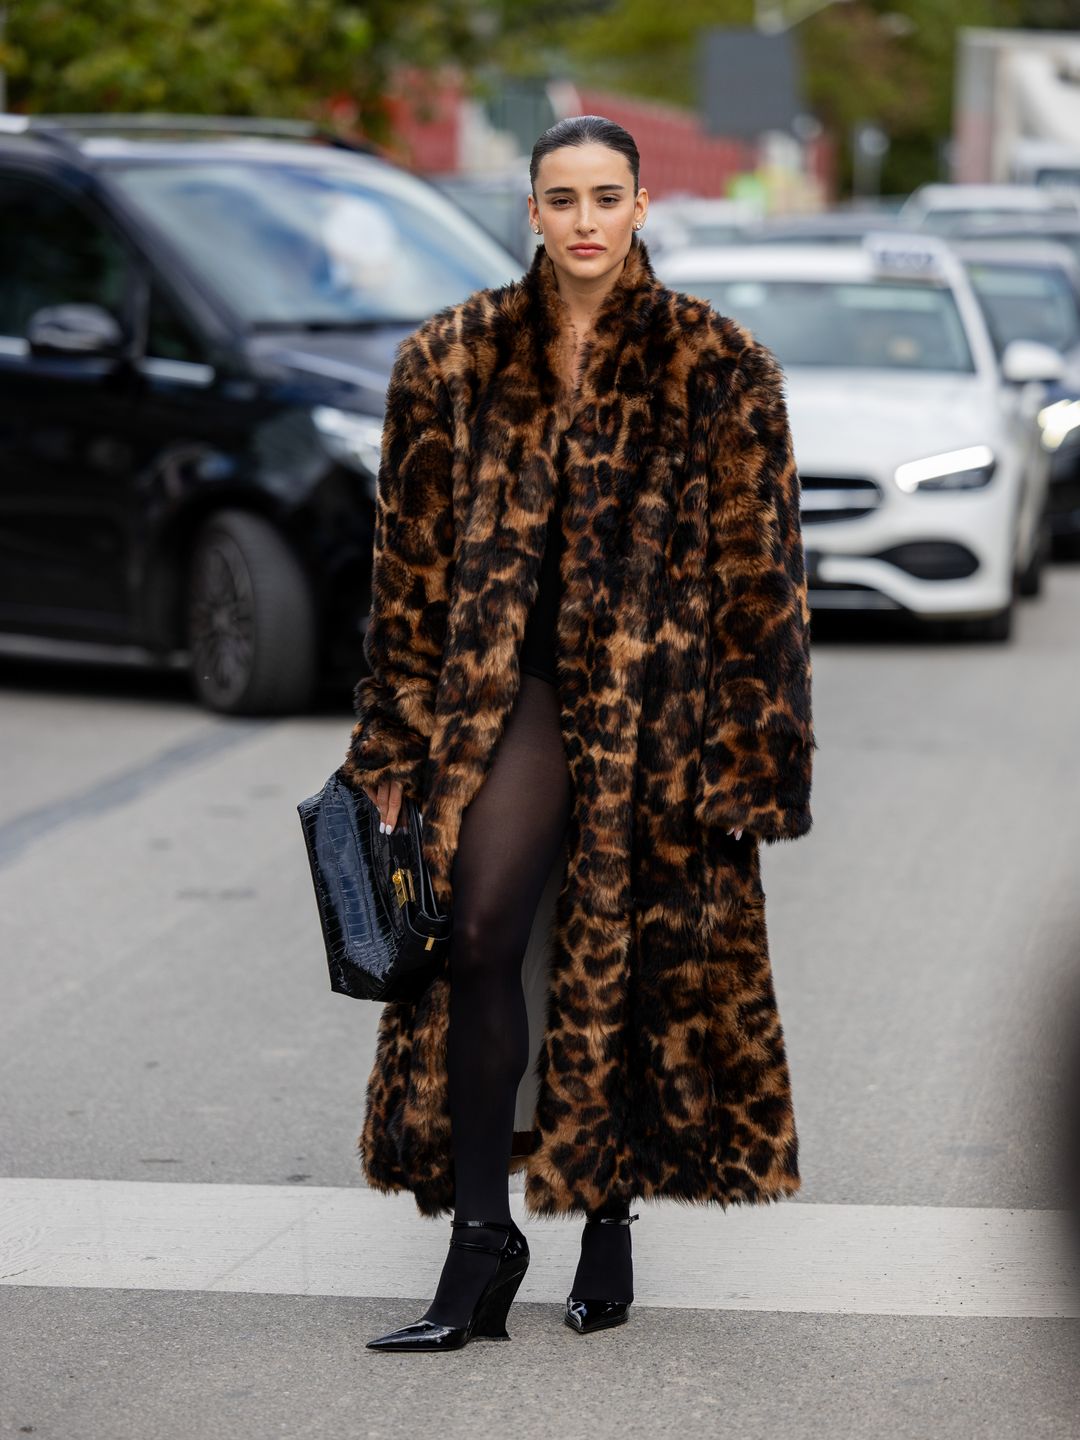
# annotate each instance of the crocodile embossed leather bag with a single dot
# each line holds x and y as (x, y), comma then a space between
(384, 934)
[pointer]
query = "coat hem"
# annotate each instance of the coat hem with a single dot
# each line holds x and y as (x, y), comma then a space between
(433, 1203)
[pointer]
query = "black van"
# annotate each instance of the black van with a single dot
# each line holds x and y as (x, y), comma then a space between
(196, 333)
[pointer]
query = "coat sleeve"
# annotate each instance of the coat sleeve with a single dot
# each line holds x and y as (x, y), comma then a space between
(412, 565)
(758, 740)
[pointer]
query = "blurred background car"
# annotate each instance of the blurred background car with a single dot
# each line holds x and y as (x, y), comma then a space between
(924, 477)
(1053, 163)
(681, 222)
(1030, 291)
(196, 335)
(943, 209)
(496, 201)
(1061, 229)
(827, 227)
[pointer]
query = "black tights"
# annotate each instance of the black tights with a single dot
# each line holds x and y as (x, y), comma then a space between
(510, 836)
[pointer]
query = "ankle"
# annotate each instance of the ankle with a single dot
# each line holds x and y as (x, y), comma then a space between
(605, 1267)
(609, 1210)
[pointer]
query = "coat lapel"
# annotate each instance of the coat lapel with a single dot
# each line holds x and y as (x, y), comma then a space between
(620, 321)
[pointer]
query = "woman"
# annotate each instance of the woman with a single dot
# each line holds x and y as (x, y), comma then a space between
(589, 638)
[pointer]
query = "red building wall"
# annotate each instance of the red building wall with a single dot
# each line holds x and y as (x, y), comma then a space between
(677, 155)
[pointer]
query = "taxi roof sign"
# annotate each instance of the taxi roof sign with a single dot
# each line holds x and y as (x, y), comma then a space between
(914, 257)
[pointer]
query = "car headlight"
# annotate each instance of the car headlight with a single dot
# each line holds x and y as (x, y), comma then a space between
(353, 440)
(968, 469)
(1058, 421)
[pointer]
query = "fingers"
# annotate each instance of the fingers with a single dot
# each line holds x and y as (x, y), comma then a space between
(393, 809)
(736, 833)
(389, 803)
(384, 805)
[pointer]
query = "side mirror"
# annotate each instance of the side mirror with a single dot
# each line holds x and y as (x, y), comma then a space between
(87, 332)
(1025, 361)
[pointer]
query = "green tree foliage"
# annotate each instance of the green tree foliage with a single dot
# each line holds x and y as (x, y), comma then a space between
(889, 62)
(892, 63)
(233, 57)
(886, 61)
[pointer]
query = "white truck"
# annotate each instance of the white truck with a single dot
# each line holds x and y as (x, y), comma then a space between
(1016, 108)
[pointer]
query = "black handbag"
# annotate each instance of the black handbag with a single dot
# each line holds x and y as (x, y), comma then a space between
(385, 936)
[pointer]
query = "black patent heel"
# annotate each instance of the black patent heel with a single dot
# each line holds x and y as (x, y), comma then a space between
(492, 1311)
(586, 1315)
(488, 1320)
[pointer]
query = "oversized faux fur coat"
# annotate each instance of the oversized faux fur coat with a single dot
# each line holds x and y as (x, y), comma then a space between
(684, 685)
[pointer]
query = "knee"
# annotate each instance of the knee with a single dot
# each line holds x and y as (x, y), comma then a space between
(485, 944)
(478, 941)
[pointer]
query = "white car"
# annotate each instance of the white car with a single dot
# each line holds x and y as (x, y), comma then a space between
(681, 222)
(924, 480)
(944, 209)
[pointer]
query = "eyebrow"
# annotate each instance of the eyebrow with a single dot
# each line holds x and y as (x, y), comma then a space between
(569, 189)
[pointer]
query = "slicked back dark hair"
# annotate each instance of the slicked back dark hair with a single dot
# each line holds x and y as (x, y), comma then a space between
(583, 130)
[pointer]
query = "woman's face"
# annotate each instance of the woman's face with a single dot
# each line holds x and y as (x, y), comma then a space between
(584, 196)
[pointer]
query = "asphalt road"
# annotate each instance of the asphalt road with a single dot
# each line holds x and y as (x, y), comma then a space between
(167, 1027)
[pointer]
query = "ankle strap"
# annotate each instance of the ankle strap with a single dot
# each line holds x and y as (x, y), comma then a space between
(612, 1219)
(479, 1244)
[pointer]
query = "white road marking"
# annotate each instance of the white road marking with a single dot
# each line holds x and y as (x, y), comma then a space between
(285, 1240)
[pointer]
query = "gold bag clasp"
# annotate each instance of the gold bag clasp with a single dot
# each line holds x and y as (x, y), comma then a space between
(403, 885)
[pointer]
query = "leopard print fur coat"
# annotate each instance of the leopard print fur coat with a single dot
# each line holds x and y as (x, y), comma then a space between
(684, 681)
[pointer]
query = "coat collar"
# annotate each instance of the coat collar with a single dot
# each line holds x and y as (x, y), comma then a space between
(623, 313)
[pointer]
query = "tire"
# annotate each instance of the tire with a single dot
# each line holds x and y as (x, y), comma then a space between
(251, 629)
(1066, 547)
(1029, 580)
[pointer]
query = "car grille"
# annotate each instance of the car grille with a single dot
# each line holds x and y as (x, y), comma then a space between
(831, 497)
(932, 559)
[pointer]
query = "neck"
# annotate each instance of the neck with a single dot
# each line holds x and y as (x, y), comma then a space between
(611, 302)
(584, 297)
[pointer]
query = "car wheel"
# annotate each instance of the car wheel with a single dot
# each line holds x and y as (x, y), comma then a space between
(1029, 581)
(251, 620)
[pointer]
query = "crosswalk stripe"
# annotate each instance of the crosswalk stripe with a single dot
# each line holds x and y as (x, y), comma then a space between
(286, 1240)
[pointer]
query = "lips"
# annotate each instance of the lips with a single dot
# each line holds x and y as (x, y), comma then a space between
(587, 249)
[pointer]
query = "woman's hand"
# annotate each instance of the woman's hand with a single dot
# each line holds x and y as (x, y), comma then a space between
(736, 833)
(387, 798)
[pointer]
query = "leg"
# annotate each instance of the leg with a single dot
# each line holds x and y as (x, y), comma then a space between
(605, 1268)
(510, 836)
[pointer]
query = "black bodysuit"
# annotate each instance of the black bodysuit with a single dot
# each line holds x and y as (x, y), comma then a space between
(538, 642)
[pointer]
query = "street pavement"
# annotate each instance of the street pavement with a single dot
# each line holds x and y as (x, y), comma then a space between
(187, 1248)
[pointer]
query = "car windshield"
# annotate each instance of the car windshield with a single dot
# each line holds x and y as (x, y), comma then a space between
(952, 222)
(1057, 175)
(712, 232)
(1070, 239)
(873, 326)
(295, 244)
(1022, 303)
